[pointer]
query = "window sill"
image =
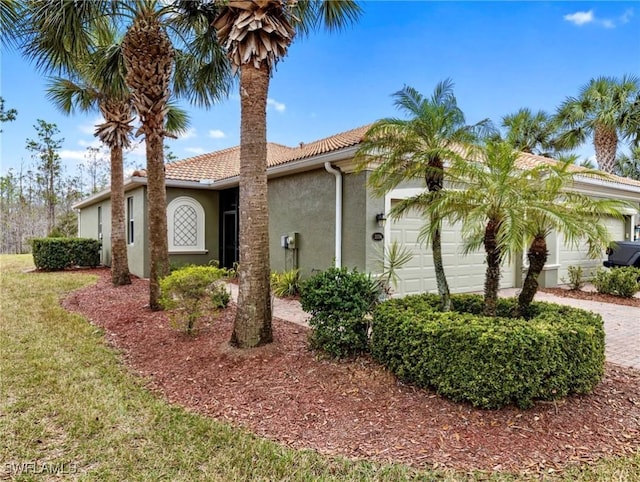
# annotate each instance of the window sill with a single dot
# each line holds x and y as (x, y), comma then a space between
(189, 251)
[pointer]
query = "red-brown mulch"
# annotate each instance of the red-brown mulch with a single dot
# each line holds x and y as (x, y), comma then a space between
(592, 296)
(354, 408)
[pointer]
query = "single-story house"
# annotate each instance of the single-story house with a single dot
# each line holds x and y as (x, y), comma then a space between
(321, 213)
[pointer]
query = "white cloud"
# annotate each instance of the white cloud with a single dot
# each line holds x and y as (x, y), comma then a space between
(580, 18)
(90, 128)
(195, 150)
(190, 133)
(71, 155)
(279, 106)
(217, 134)
(583, 18)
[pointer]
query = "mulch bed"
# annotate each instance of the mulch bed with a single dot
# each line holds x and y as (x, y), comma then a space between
(592, 296)
(354, 408)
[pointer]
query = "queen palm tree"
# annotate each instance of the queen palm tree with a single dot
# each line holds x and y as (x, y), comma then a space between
(606, 109)
(418, 147)
(257, 34)
(63, 33)
(506, 209)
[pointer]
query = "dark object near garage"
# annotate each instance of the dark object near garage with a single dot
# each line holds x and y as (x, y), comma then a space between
(623, 253)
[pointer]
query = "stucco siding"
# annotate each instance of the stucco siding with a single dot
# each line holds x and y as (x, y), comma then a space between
(305, 204)
(88, 227)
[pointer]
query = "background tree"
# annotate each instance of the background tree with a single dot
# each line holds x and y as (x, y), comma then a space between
(45, 150)
(6, 115)
(256, 34)
(97, 170)
(628, 165)
(606, 109)
(418, 147)
(535, 133)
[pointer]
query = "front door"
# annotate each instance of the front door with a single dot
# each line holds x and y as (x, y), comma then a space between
(229, 252)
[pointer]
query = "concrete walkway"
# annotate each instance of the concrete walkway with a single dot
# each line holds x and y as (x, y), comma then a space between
(621, 323)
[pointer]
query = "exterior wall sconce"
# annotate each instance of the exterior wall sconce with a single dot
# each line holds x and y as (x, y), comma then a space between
(381, 219)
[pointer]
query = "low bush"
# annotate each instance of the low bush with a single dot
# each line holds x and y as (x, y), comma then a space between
(339, 302)
(576, 277)
(189, 291)
(286, 283)
(489, 362)
(53, 254)
(623, 281)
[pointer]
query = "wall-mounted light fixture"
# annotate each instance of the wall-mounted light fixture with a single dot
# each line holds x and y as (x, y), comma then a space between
(381, 219)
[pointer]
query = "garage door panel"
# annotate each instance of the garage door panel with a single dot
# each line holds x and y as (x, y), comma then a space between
(464, 273)
(576, 255)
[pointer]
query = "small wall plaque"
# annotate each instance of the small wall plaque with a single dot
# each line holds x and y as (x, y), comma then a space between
(377, 236)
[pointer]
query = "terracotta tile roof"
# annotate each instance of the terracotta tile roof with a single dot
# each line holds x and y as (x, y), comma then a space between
(225, 164)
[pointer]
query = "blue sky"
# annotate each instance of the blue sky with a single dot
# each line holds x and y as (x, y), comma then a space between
(500, 55)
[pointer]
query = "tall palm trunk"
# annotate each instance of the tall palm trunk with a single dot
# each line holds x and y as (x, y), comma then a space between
(115, 133)
(149, 57)
(492, 278)
(537, 257)
(253, 317)
(605, 143)
(119, 260)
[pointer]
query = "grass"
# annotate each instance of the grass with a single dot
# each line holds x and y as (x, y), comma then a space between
(67, 405)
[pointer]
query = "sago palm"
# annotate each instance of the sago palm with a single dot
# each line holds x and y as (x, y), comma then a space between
(418, 147)
(257, 34)
(605, 109)
(62, 33)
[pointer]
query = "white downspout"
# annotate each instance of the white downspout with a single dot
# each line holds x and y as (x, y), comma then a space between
(338, 174)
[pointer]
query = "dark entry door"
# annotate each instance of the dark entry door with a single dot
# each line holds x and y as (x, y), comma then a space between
(229, 251)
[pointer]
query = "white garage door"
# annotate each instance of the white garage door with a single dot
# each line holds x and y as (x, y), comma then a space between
(577, 256)
(465, 273)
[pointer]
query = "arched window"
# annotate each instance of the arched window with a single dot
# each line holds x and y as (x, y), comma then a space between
(185, 223)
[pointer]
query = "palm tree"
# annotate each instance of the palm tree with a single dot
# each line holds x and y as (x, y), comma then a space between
(257, 34)
(607, 109)
(535, 133)
(628, 165)
(506, 208)
(99, 83)
(63, 33)
(418, 148)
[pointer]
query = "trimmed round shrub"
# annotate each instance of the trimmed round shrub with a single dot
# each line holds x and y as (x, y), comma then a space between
(339, 302)
(486, 361)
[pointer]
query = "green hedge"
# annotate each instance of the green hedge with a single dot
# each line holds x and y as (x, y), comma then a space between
(53, 254)
(490, 362)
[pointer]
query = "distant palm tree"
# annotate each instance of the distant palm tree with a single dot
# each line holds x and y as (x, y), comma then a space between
(506, 209)
(63, 33)
(535, 133)
(418, 148)
(606, 108)
(628, 165)
(257, 34)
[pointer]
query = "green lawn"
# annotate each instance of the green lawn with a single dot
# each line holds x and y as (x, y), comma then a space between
(68, 405)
